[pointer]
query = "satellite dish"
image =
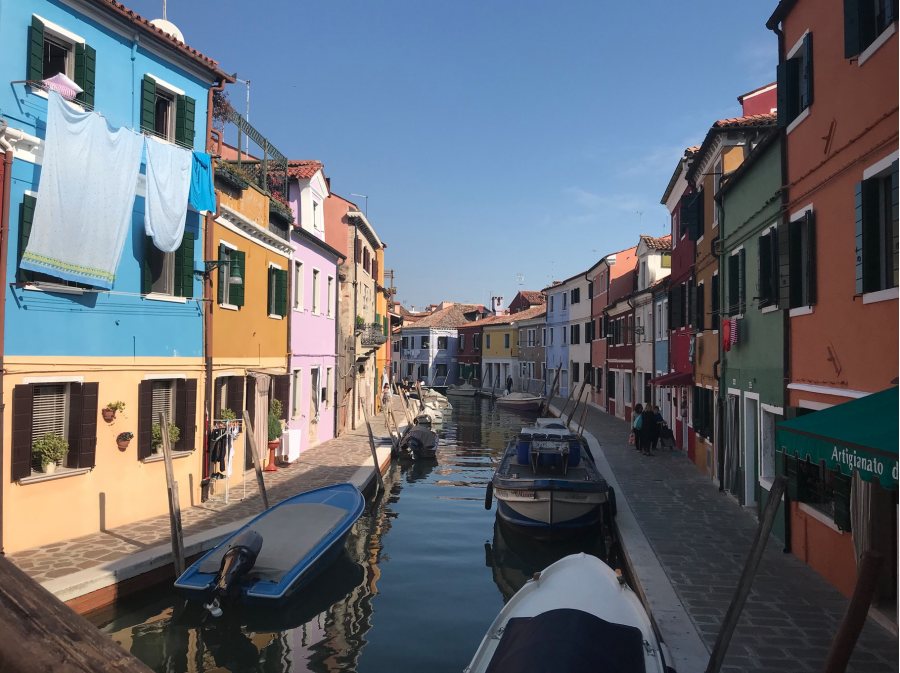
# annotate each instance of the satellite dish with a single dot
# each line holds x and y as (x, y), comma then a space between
(168, 28)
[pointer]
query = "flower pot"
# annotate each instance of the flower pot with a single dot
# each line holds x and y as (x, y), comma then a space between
(123, 444)
(48, 468)
(109, 415)
(270, 463)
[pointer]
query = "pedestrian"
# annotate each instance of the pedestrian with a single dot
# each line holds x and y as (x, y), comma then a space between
(649, 431)
(636, 424)
(659, 423)
(509, 384)
(385, 395)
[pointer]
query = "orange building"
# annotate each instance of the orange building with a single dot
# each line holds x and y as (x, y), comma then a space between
(838, 244)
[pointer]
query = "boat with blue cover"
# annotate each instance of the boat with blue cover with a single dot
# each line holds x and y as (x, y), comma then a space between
(276, 552)
(547, 482)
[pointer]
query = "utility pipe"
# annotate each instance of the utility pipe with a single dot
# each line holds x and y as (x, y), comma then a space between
(4, 249)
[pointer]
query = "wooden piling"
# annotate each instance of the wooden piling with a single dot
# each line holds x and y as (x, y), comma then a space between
(566, 405)
(174, 506)
(257, 461)
(378, 477)
(584, 413)
(546, 406)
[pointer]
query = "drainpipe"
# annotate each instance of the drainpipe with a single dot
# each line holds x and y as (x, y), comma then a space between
(208, 251)
(720, 407)
(354, 396)
(4, 247)
(785, 310)
(337, 341)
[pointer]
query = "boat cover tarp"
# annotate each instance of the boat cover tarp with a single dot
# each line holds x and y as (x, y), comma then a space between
(568, 640)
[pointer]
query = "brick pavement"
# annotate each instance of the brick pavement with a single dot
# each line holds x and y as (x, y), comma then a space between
(330, 462)
(702, 536)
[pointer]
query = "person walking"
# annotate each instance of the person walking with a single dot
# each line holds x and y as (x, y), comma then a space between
(637, 422)
(658, 423)
(649, 431)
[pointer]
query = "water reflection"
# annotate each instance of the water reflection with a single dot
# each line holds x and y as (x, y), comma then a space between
(411, 592)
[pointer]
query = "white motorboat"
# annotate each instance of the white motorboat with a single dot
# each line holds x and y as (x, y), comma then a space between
(521, 401)
(462, 390)
(577, 616)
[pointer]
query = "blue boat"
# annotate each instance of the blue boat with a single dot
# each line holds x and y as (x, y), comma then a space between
(547, 483)
(276, 552)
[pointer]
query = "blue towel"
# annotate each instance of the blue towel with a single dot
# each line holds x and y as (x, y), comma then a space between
(202, 195)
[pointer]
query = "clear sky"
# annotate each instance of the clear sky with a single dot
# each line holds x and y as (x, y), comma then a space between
(501, 143)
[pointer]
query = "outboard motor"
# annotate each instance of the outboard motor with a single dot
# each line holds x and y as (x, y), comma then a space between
(236, 563)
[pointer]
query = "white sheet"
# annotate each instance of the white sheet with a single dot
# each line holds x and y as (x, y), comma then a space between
(168, 185)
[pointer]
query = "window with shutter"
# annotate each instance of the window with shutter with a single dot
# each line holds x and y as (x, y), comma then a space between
(877, 232)
(85, 73)
(238, 271)
(701, 308)
(795, 82)
(864, 22)
(163, 401)
(184, 120)
(734, 300)
(742, 281)
(50, 410)
(714, 302)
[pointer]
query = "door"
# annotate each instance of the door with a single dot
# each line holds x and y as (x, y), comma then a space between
(751, 448)
(314, 397)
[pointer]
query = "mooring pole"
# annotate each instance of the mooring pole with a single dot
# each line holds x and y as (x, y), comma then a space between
(717, 656)
(546, 405)
(257, 461)
(378, 477)
(174, 507)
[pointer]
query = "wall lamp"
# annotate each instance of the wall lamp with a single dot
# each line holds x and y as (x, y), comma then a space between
(210, 265)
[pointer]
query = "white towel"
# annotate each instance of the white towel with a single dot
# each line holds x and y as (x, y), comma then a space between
(85, 198)
(168, 185)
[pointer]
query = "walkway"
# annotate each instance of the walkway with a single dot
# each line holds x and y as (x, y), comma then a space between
(79, 566)
(701, 538)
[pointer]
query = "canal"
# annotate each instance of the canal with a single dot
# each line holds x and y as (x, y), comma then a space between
(426, 570)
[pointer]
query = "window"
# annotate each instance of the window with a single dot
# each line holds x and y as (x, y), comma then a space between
(296, 383)
(396, 346)
(163, 401)
(876, 232)
(409, 370)
(531, 337)
(166, 112)
(768, 268)
(795, 81)
(317, 215)
(565, 298)
(506, 340)
(52, 50)
(691, 215)
(328, 390)
(703, 412)
(718, 172)
(864, 21)
(315, 291)
(477, 339)
(231, 276)
(588, 372)
(440, 370)
(442, 343)
(628, 391)
(169, 273)
(590, 289)
(405, 342)
(642, 275)
(565, 335)
(330, 297)
(487, 341)
(277, 292)
(51, 410)
(315, 395)
(576, 295)
(714, 301)
(574, 369)
(298, 286)
(575, 337)
(551, 302)
(801, 285)
(423, 372)
(589, 331)
(544, 336)
(551, 336)
(462, 342)
(665, 260)
(424, 342)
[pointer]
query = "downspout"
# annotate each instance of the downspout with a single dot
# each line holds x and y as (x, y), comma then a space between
(785, 312)
(208, 251)
(354, 399)
(720, 407)
(4, 247)
(337, 341)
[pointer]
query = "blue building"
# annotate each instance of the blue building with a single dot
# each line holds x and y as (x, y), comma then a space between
(557, 344)
(73, 348)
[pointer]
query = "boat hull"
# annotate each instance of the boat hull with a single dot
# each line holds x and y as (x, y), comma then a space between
(552, 510)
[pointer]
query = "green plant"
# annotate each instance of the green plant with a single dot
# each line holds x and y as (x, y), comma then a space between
(50, 448)
(156, 438)
(124, 436)
(227, 414)
(280, 209)
(232, 175)
(275, 429)
(118, 405)
(360, 322)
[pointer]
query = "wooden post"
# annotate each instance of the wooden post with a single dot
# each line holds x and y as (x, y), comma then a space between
(421, 396)
(372, 445)
(174, 507)
(257, 461)
(857, 611)
(584, 412)
(717, 656)
(405, 401)
(38, 632)
(546, 405)
(577, 400)
(566, 406)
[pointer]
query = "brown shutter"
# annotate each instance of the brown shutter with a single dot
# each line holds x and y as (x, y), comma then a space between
(186, 413)
(145, 420)
(76, 418)
(235, 395)
(782, 240)
(22, 414)
(85, 442)
(281, 386)
(251, 413)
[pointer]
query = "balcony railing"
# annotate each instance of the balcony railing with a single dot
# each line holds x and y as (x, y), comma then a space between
(372, 335)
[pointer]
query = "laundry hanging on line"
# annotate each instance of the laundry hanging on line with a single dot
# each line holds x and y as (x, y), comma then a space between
(203, 193)
(168, 184)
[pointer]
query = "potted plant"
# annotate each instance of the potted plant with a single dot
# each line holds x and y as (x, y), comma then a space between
(360, 324)
(227, 414)
(275, 432)
(123, 439)
(109, 411)
(49, 450)
(280, 209)
(156, 438)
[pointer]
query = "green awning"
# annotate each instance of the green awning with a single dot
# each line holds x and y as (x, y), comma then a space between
(859, 435)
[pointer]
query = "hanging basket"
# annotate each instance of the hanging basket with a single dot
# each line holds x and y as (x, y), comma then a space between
(123, 444)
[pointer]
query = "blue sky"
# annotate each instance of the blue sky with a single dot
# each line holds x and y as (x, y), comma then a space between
(502, 143)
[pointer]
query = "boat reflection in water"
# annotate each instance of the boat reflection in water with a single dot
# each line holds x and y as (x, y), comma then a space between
(514, 557)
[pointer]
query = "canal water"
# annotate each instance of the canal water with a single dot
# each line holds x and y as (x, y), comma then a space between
(426, 570)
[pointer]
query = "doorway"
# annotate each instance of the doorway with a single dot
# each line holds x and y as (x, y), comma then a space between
(751, 447)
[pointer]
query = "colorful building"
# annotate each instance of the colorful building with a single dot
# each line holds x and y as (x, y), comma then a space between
(74, 346)
(838, 89)
(654, 262)
(532, 328)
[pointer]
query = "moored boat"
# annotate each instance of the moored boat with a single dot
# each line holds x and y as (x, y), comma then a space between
(419, 441)
(461, 390)
(521, 401)
(577, 615)
(277, 551)
(547, 482)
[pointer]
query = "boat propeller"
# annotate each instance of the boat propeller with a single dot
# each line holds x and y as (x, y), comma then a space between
(236, 563)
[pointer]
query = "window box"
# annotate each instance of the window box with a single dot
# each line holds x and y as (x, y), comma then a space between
(231, 176)
(281, 211)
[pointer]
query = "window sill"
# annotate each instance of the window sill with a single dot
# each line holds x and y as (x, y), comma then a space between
(797, 121)
(275, 316)
(881, 295)
(801, 310)
(298, 310)
(54, 288)
(818, 516)
(159, 457)
(228, 307)
(158, 296)
(61, 473)
(876, 44)
(768, 309)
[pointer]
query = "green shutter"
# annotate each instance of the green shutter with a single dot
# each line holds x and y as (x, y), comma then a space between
(26, 217)
(692, 304)
(788, 75)
(810, 280)
(851, 27)
(783, 253)
(85, 73)
(742, 281)
(184, 267)
(146, 270)
(714, 301)
(860, 238)
(184, 121)
(841, 486)
(220, 290)
(238, 264)
(148, 104)
(895, 234)
(384, 321)
(763, 260)
(796, 263)
(270, 292)
(701, 308)
(281, 294)
(35, 59)
(806, 77)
